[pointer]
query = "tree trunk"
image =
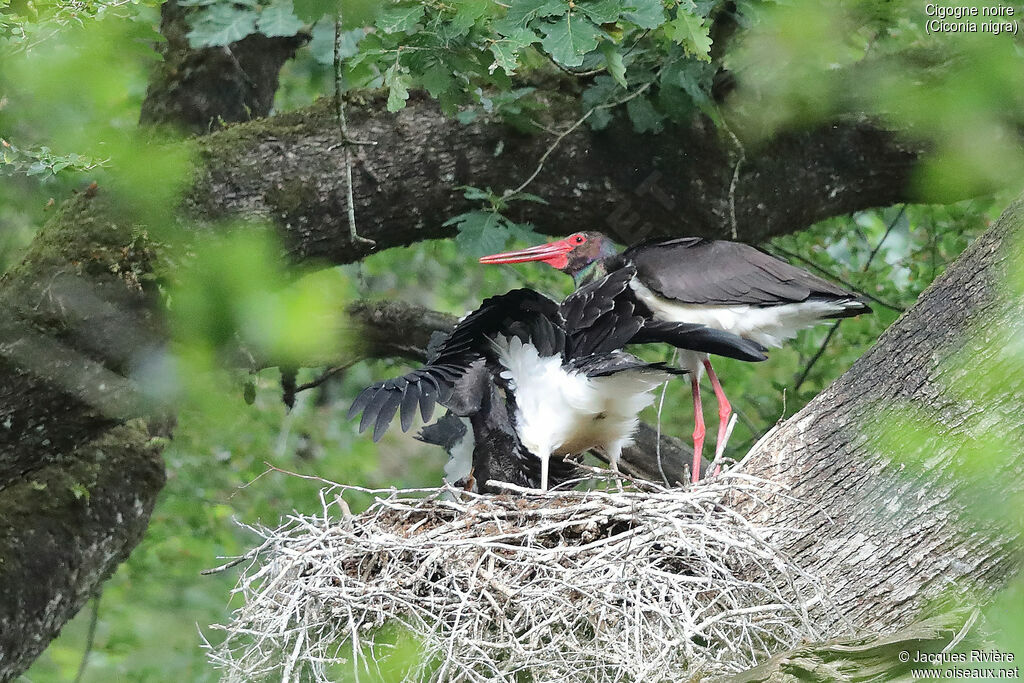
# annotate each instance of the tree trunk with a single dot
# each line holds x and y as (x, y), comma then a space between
(202, 90)
(893, 528)
(79, 470)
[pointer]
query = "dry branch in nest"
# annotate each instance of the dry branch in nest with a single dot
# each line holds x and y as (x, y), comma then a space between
(643, 584)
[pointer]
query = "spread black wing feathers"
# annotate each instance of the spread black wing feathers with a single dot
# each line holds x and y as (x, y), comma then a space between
(605, 364)
(698, 271)
(587, 329)
(521, 312)
(593, 320)
(598, 318)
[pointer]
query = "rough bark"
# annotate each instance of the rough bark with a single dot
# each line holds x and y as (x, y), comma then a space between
(202, 90)
(892, 532)
(290, 169)
(79, 472)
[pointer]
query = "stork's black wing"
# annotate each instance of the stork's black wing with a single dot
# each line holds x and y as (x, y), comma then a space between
(446, 432)
(600, 316)
(448, 378)
(694, 270)
(605, 364)
(695, 337)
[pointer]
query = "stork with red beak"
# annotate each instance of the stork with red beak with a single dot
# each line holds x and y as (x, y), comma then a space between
(727, 286)
(541, 379)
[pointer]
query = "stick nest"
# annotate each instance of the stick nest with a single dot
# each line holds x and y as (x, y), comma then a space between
(644, 584)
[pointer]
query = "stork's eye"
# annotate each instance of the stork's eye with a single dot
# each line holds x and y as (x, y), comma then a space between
(579, 239)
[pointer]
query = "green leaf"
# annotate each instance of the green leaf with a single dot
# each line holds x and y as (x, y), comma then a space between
(521, 231)
(613, 60)
(467, 14)
(644, 116)
(646, 13)
(222, 24)
(480, 232)
(529, 197)
(476, 194)
(522, 12)
(601, 92)
(322, 44)
(693, 78)
(601, 11)
(399, 19)
(437, 80)
(570, 38)
(693, 33)
(279, 20)
(506, 50)
(397, 84)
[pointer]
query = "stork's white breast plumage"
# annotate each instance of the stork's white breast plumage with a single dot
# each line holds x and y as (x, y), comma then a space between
(560, 411)
(767, 325)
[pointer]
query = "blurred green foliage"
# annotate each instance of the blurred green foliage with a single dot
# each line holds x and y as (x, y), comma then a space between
(69, 122)
(962, 92)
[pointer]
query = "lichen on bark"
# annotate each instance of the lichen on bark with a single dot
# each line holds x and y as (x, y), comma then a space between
(78, 476)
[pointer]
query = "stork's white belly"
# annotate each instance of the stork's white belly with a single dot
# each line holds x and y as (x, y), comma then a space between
(767, 325)
(561, 412)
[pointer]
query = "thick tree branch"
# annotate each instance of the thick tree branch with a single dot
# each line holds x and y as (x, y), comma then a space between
(290, 169)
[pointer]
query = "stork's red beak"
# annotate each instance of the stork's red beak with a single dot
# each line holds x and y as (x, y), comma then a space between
(553, 253)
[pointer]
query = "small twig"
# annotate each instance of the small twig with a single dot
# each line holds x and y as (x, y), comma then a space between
(561, 136)
(327, 374)
(735, 178)
(346, 141)
(878, 247)
(90, 637)
(579, 74)
(816, 357)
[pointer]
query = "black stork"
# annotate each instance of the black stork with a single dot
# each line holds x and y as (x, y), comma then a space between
(561, 368)
(727, 286)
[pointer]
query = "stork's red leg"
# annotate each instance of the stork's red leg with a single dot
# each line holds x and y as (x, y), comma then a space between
(724, 413)
(698, 428)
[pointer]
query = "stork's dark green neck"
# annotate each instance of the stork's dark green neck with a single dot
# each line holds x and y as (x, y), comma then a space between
(599, 267)
(590, 272)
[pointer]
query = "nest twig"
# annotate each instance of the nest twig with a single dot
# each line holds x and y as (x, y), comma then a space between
(647, 584)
